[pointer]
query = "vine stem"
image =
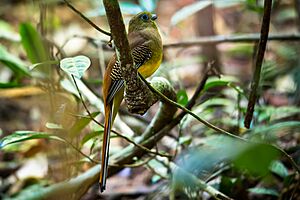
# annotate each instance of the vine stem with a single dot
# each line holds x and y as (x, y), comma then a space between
(167, 100)
(115, 132)
(86, 19)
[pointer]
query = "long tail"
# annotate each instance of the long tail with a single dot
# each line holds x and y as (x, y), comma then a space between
(105, 146)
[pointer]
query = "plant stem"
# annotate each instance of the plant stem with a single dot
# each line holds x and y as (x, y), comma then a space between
(86, 19)
(259, 60)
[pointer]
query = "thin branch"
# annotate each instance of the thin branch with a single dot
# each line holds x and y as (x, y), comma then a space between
(290, 159)
(135, 165)
(169, 101)
(86, 19)
(80, 152)
(185, 110)
(180, 184)
(259, 60)
(209, 40)
(249, 38)
(78, 186)
(115, 132)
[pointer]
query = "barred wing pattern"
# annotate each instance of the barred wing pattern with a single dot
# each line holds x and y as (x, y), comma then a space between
(140, 54)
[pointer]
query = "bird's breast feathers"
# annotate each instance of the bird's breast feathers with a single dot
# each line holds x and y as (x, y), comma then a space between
(150, 66)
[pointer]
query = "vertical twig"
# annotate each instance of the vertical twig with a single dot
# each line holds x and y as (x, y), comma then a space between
(239, 97)
(259, 59)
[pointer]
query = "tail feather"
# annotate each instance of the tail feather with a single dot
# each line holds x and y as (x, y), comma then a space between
(105, 146)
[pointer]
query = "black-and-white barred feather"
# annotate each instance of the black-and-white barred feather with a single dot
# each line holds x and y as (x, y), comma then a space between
(140, 54)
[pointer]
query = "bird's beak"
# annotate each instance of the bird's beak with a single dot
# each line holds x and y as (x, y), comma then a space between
(154, 17)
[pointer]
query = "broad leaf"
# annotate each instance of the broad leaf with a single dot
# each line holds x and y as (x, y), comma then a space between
(182, 97)
(7, 32)
(20, 136)
(9, 85)
(256, 158)
(13, 62)
(91, 135)
(269, 132)
(49, 62)
(33, 44)
(217, 82)
(81, 124)
(75, 65)
(272, 113)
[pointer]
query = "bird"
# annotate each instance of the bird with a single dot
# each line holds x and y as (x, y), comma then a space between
(147, 51)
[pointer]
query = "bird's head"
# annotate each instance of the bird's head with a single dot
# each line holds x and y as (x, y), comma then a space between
(141, 21)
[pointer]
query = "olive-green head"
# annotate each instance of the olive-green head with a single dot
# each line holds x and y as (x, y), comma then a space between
(141, 21)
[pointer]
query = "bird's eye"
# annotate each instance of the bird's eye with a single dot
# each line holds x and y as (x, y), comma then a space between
(145, 17)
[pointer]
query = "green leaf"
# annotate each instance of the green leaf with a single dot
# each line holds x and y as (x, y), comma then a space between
(49, 62)
(217, 82)
(269, 131)
(264, 191)
(75, 65)
(91, 135)
(81, 124)
(7, 32)
(186, 140)
(256, 158)
(272, 113)
(20, 136)
(213, 102)
(33, 44)
(182, 97)
(278, 168)
(148, 5)
(188, 10)
(13, 62)
(240, 51)
(50, 125)
(9, 85)
(254, 5)
(227, 184)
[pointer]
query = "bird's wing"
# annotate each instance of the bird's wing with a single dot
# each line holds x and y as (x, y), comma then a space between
(140, 54)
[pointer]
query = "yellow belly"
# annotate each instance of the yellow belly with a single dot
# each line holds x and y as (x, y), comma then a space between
(150, 67)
